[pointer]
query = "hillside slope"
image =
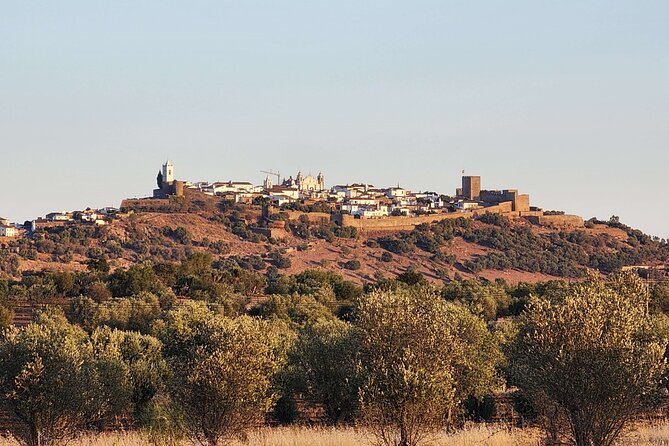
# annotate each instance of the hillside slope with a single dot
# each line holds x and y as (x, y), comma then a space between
(489, 247)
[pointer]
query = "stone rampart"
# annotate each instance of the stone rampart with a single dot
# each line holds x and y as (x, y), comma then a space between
(557, 221)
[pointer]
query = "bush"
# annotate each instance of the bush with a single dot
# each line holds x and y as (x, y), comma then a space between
(280, 261)
(395, 245)
(352, 264)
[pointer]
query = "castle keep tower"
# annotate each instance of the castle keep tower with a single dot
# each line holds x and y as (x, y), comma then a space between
(471, 187)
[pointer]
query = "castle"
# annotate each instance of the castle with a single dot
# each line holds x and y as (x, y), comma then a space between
(471, 193)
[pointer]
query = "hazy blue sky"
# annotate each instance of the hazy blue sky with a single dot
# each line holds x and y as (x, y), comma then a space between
(565, 100)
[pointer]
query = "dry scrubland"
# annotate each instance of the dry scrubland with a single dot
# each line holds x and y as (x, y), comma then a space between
(478, 435)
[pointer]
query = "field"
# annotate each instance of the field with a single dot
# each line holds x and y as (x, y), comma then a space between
(490, 435)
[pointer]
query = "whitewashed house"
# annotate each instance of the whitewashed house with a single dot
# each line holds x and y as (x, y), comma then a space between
(7, 231)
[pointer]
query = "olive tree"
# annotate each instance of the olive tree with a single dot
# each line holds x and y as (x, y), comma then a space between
(324, 364)
(222, 371)
(591, 358)
(142, 358)
(419, 359)
(52, 385)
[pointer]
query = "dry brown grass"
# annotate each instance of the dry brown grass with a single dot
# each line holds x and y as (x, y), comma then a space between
(476, 435)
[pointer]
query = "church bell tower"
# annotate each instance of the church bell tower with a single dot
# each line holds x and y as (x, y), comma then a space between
(168, 172)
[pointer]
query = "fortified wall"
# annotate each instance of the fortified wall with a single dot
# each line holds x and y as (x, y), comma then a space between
(410, 223)
(557, 221)
(312, 217)
(147, 204)
(520, 202)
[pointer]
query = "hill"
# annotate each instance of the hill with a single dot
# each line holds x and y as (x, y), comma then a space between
(489, 246)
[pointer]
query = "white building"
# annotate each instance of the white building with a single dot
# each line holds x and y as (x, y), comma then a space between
(396, 192)
(282, 194)
(433, 199)
(465, 205)
(59, 216)
(7, 231)
(232, 187)
(351, 190)
(268, 184)
(5, 222)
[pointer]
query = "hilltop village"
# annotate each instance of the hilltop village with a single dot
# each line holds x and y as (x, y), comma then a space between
(360, 205)
(360, 200)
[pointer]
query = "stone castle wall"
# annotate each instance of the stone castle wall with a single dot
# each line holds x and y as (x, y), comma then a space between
(520, 202)
(409, 223)
(557, 221)
(312, 217)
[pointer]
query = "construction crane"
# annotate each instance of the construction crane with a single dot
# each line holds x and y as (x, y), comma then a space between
(271, 172)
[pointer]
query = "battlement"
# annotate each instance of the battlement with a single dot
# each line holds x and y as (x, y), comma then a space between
(520, 202)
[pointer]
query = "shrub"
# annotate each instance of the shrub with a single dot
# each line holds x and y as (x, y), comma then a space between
(353, 264)
(394, 245)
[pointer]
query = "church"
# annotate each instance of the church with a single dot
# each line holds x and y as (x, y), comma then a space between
(306, 185)
(166, 183)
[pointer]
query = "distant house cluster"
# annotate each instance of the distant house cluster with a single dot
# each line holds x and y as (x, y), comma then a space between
(94, 217)
(361, 200)
(7, 229)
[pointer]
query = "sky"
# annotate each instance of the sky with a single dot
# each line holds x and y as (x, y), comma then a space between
(565, 100)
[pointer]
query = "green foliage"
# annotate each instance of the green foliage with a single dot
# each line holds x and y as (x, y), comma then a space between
(279, 260)
(412, 277)
(162, 423)
(142, 357)
(324, 366)
(126, 313)
(222, 371)
(486, 300)
(591, 358)
(419, 359)
(52, 383)
(178, 234)
(9, 265)
(313, 281)
(134, 280)
(395, 245)
(353, 264)
(6, 317)
(659, 298)
(99, 292)
(296, 309)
